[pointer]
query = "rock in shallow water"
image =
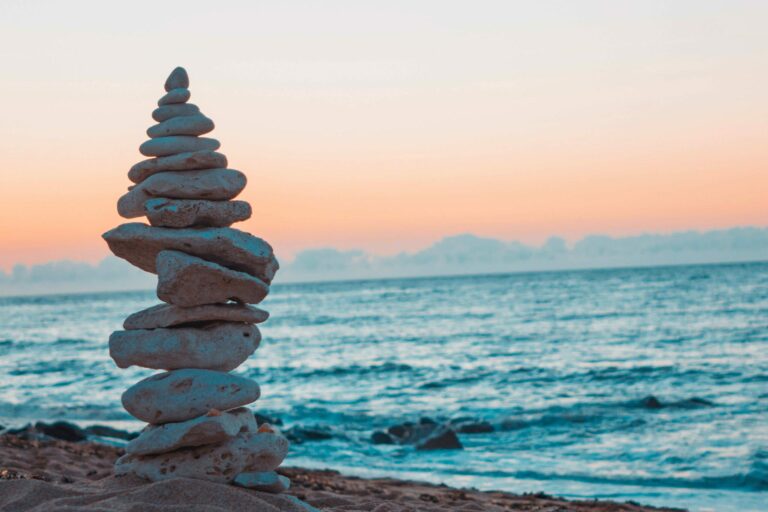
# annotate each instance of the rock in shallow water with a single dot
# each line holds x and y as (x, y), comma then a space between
(196, 124)
(139, 244)
(178, 79)
(264, 481)
(245, 453)
(168, 315)
(175, 144)
(218, 346)
(165, 112)
(200, 431)
(209, 184)
(181, 395)
(187, 281)
(184, 213)
(179, 95)
(194, 160)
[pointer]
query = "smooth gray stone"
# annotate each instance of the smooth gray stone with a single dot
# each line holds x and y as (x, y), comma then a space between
(181, 395)
(168, 315)
(221, 346)
(178, 79)
(175, 144)
(187, 281)
(196, 124)
(195, 160)
(245, 453)
(200, 431)
(166, 112)
(212, 184)
(139, 244)
(174, 96)
(184, 213)
(263, 481)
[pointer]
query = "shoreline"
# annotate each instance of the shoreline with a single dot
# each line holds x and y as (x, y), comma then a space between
(49, 474)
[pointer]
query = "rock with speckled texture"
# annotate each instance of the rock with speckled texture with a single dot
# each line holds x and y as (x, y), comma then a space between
(168, 315)
(210, 184)
(187, 281)
(221, 346)
(139, 244)
(181, 395)
(184, 213)
(212, 428)
(195, 160)
(244, 453)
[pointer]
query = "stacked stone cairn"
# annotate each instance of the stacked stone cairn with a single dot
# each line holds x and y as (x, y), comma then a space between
(209, 274)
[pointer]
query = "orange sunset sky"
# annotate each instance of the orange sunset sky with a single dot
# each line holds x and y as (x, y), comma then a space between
(388, 125)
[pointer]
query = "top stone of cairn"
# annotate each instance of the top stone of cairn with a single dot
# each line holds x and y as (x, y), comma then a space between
(178, 79)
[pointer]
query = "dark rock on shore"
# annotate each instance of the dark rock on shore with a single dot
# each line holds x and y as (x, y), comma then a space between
(380, 437)
(300, 434)
(651, 402)
(264, 418)
(442, 438)
(425, 435)
(466, 425)
(62, 430)
(113, 433)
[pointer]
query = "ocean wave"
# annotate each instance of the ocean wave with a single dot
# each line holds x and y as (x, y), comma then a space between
(755, 480)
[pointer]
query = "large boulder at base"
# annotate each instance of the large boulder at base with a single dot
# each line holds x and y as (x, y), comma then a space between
(164, 146)
(168, 315)
(221, 346)
(213, 428)
(181, 395)
(185, 213)
(245, 453)
(191, 161)
(263, 481)
(187, 281)
(139, 244)
(210, 184)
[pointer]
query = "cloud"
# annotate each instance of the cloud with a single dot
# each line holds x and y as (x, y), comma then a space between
(459, 254)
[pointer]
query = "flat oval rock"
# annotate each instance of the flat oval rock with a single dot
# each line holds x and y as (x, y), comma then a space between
(184, 213)
(245, 453)
(174, 96)
(139, 244)
(181, 395)
(200, 431)
(194, 160)
(196, 124)
(178, 79)
(168, 315)
(213, 184)
(221, 346)
(175, 144)
(166, 112)
(185, 280)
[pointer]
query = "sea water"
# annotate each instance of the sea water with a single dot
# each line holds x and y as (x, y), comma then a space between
(561, 363)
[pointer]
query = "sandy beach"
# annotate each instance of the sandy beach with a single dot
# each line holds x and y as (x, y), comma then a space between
(53, 475)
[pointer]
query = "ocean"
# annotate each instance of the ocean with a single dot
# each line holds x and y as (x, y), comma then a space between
(628, 384)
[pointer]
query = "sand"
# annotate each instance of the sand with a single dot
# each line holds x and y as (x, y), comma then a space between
(44, 476)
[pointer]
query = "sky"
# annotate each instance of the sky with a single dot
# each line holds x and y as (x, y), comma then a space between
(386, 126)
